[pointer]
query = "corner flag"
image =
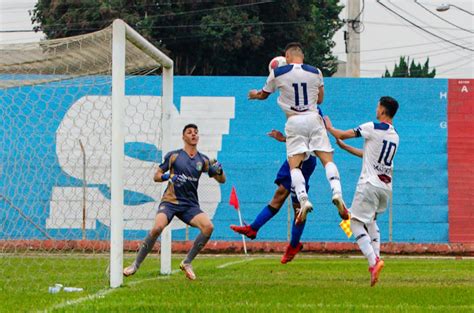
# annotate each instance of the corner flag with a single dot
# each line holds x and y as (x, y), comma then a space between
(234, 201)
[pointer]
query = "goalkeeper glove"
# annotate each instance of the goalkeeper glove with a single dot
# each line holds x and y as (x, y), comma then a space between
(167, 176)
(215, 168)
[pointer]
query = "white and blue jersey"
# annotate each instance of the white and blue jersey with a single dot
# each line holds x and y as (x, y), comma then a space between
(380, 145)
(298, 85)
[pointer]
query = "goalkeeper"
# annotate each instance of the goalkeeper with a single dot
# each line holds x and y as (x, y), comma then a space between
(182, 169)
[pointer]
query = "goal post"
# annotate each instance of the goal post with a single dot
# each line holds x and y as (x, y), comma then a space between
(121, 33)
(85, 122)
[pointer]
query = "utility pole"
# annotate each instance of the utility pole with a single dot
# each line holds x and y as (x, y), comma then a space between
(352, 37)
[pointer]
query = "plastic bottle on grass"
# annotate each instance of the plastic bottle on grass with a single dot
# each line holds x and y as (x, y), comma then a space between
(72, 289)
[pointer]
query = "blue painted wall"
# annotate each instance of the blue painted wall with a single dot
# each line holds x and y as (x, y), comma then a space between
(29, 166)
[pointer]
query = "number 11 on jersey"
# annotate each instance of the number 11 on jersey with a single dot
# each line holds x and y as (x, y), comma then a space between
(296, 87)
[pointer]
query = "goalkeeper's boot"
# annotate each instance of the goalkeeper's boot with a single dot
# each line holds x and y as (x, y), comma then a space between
(375, 271)
(245, 230)
(340, 205)
(188, 270)
(305, 208)
(130, 270)
(290, 253)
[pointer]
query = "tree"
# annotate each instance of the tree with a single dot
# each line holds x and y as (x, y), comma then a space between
(207, 37)
(415, 70)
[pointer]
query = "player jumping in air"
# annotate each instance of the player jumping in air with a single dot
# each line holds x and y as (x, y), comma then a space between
(301, 90)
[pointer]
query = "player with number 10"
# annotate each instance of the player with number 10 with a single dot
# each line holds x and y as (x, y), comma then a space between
(374, 188)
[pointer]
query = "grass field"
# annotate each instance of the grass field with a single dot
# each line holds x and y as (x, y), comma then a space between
(238, 284)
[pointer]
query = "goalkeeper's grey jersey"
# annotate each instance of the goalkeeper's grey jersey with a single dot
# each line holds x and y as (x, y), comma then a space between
(184, 191)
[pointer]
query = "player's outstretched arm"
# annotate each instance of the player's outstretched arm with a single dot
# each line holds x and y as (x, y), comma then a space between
(258, 94)
(353, 150)
(277, 135)
(337, 133)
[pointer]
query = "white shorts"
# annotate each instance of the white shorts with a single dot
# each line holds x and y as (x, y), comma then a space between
(306, 133)
(367, 201)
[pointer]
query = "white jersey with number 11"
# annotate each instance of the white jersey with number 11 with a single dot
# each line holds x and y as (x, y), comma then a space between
(298, 85)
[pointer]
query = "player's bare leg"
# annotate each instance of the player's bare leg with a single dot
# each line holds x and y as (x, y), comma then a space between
(332, 175)
(147, 245)
(298, 183)
(206, 227)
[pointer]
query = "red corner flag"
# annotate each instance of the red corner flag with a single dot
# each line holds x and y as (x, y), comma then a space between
(234, 201)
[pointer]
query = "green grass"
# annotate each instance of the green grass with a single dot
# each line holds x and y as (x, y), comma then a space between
(259, 284)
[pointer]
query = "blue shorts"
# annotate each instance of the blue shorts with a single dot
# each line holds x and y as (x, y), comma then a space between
(184, 212)
(284, 177)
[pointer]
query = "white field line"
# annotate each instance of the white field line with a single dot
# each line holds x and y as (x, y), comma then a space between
(235, 262)
(104, 292)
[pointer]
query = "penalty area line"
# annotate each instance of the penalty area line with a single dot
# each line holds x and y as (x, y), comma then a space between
(102, 293)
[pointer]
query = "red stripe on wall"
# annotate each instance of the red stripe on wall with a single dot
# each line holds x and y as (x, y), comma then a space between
(461, 160)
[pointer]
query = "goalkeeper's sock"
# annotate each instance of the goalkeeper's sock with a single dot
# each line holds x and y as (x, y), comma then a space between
(332, 175)
(199, 243)
(296, 232)
(298, 183)
(145, 248)
(263, 217)
(363, 240)
(374, 233)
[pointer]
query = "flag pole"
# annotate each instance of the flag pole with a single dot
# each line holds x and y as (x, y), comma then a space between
(234, 201)
(243, 237)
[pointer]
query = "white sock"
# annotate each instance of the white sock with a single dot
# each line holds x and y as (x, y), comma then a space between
(374, 233)
(298, 183)
(363, 240)
(332, 175)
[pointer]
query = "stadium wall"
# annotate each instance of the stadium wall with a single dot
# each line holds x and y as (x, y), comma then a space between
(427, 206)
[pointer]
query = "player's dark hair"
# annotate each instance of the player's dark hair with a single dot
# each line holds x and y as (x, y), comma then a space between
(189, 126)
(390, 105)
(294, 45)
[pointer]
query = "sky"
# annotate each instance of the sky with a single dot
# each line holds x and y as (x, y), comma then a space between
(385, 36)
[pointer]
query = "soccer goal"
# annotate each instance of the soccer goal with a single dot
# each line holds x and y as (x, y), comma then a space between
(85, 122)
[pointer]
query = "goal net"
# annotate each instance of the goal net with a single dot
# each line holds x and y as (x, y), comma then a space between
(84, 126)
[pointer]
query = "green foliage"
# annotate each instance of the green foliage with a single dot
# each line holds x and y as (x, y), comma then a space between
(415, 70)
(207, 37)
(241, 284)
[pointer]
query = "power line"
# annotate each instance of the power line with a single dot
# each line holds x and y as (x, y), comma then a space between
(445, 20)
(405, 25)
(172, 14)
(404, 46)
(421, 28)
(418, 54)
(454, 68)
(217, 25)
(409, 14)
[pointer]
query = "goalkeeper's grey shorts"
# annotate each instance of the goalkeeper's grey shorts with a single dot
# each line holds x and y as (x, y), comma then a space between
(184, 212)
